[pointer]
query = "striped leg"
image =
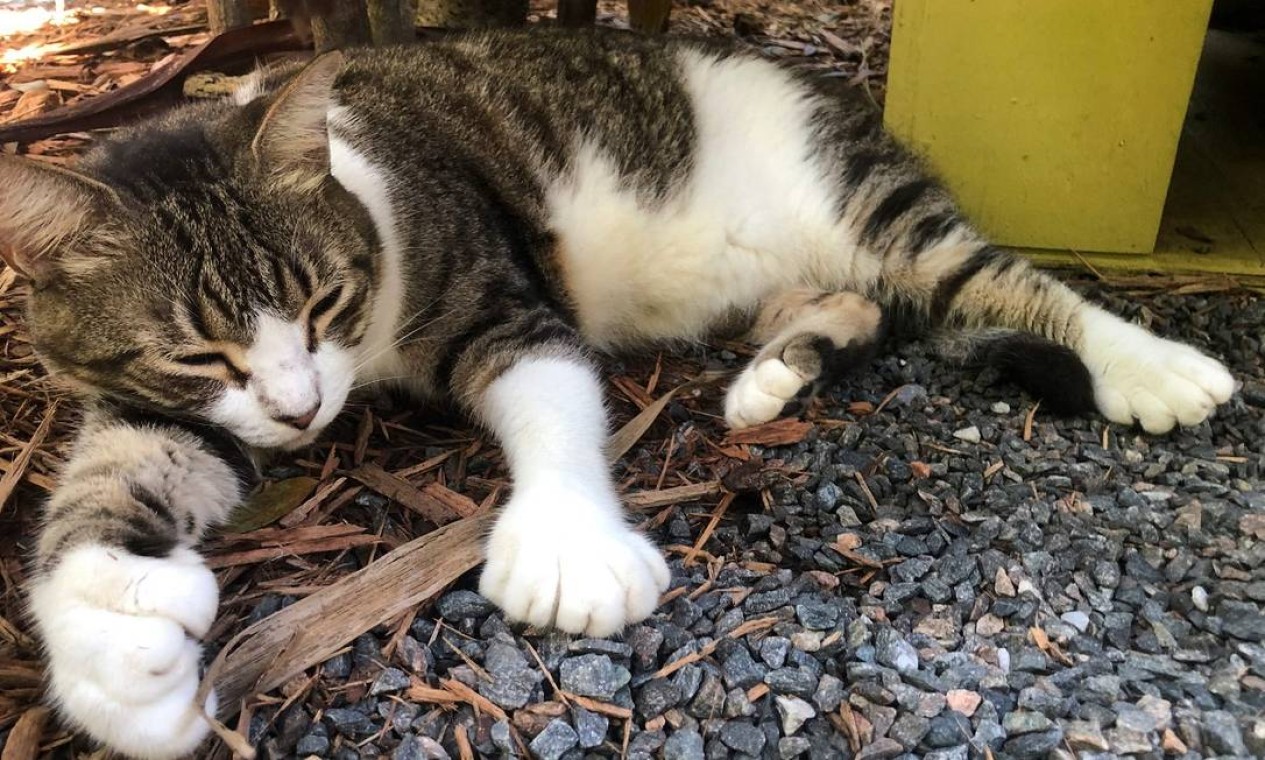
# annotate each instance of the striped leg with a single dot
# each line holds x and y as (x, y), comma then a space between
(120, 598)
(939, 275)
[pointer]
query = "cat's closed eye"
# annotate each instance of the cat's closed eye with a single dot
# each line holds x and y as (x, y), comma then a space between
(320, 314)
(214, 360)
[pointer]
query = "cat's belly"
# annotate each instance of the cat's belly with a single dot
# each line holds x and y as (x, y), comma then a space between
(757, 213)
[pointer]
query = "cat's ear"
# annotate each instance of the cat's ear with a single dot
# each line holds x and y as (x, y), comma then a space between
(292, 144)
(44, 211)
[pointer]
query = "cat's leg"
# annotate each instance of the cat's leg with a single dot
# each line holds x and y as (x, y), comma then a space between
(562, 553)
(118, 595)
(946, 279)
(807, 337)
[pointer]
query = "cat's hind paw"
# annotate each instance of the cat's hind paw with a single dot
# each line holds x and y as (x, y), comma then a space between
(556, 562)
(1140, 376)
(121, 632)
(763, 390)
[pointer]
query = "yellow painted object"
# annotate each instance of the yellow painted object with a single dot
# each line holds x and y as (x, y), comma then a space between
(1055, 122)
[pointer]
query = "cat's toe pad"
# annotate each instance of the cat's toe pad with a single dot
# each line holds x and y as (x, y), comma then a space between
(1158, 382)
(121, 634)
(556, 567)
(762, 391)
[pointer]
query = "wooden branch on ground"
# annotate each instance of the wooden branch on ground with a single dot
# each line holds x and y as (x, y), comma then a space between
(160, 88)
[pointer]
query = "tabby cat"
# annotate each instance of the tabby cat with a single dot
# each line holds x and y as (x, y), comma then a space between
(472, 219)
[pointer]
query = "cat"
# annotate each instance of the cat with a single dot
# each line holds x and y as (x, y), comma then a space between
(474, 220)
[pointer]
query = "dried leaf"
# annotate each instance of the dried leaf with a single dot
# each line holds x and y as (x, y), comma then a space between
(275, 501)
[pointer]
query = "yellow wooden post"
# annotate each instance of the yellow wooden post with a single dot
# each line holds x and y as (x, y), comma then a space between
(1055, 122)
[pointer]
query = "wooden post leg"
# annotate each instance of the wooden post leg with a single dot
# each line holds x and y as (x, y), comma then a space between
(340, 25)
(649, 16)
(227, 14)
(391, 21)
(577, 13)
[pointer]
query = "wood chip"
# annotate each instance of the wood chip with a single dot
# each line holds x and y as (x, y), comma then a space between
(13, 475)
(400, 490)
(279, 647)
(782, 432)
(33, 103)
(717, 514)
(1028, 419)
(675, 495)
(26, 735)
(593, 705)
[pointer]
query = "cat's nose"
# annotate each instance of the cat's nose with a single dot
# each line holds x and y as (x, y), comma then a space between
(302, 421)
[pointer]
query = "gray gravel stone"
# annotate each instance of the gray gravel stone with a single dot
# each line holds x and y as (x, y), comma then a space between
(590, 727)
(740, 670)
(512, 679)
(880, 749)
(948, 729)
(685, 744)
(1222, 734)
(419, 748)
(797, 681)
(313, 743)
(743, 737)
(909, 729)
(554, 741)
(391, 679)
(593, 675)
(656, 696)
(457, 605)
(348, 722)
(893, 651)
(1242, 620)
(1035, 745)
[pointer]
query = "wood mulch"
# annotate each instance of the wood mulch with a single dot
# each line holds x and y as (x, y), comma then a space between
(343, 526)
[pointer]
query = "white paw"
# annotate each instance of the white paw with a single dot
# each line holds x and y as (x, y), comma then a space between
(1158, 382)
(121, 632)
(760, 393)
(560, 559)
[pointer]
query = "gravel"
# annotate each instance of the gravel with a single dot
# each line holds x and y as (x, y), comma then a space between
(1091, 588)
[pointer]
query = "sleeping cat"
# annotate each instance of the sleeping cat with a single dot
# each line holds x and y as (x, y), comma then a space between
(470, 219)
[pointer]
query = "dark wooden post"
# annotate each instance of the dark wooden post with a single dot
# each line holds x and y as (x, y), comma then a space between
(391, 21)
(576, 13)
(340, 24)
(649, 16)
(227, 14)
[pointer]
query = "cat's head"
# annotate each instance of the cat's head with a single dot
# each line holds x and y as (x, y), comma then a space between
(205, 264)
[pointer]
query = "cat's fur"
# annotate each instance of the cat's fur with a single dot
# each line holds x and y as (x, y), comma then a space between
(466, 219)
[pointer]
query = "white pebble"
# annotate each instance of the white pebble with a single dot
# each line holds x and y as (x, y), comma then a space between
(1199, 595)
(970, 434)
(1001, 407)
(1003, 659)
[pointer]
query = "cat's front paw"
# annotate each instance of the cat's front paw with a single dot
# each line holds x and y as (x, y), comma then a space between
(557, 560)
(1158, 382)
(121, 632)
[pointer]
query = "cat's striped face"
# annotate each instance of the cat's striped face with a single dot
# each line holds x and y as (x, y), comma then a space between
(212, 306)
